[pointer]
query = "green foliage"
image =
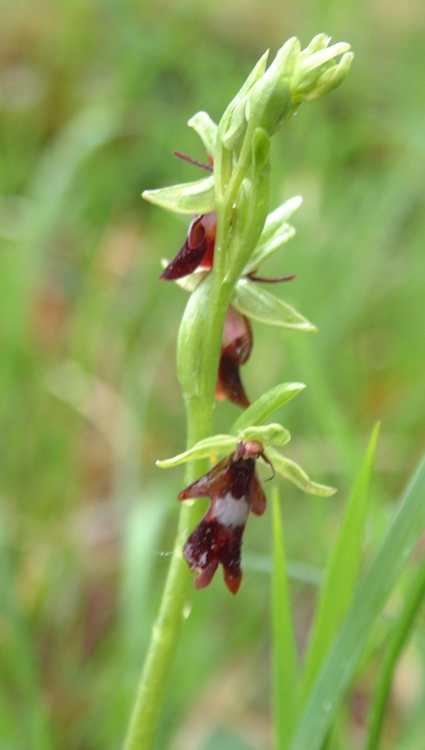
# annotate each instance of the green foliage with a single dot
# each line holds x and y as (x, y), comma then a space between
(94, 98)
(342, 569)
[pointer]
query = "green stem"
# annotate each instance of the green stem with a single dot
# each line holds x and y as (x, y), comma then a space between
(177, 593)
(197, 363)
(174, 605)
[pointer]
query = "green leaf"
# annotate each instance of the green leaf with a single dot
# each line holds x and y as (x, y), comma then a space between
(258, 412)
(222, 738)
(296, 570)
(368, 602)
(396, 642)
(19, 659)
(284, 659)
(342, 568)
(254, 302)
(217, 445)
(206, 129)
(187, 198)
(269, 434)
(290, 470)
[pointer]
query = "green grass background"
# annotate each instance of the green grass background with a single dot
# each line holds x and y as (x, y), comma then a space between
(93, 99)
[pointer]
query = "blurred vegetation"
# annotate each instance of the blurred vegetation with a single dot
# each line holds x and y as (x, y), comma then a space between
(93, 99)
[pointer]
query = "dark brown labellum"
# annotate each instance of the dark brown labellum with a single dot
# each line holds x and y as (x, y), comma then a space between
(234, 491)
(235, 350)
(198, 250)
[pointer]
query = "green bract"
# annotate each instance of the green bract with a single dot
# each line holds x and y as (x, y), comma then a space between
(275, 233)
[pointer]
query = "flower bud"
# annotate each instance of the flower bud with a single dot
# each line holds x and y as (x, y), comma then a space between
(317, 73)
(269, 100)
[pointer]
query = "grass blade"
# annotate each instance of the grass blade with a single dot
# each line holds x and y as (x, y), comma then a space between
(396, 642)
(284, 661)
(342, 568)
(368, 601)
(33, 730)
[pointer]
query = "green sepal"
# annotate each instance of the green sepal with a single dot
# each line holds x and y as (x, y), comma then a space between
(278, 217)
(268, 434)
(271, 434)
(217, 445)
(187, 198)
(206, 129)
(295, 474)
(262, 253)
(276, 232)
(258, 412)
(254, 302)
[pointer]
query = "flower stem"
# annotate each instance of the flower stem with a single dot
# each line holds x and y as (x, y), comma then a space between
(175, 604)
(176, 598)
(197, 363)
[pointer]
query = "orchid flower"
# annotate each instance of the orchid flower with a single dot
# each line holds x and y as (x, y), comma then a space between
(234, 490)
